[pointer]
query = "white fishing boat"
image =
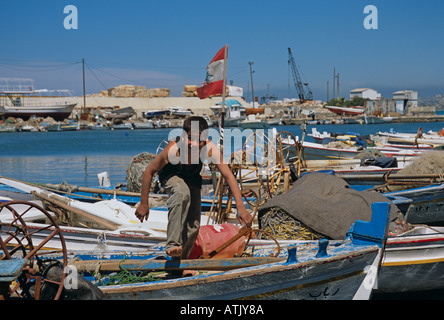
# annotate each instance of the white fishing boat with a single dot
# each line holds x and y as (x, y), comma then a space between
(143, 125)
(316, 151)
(7, 128)
(251, 122)
(18, 98)
(179, 111)
(413, 261)
(431, 139)
(122, 126)
(378, 120)
(149, 114)
(234, 112)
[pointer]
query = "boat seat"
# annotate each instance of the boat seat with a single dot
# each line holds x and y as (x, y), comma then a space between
(11, 269)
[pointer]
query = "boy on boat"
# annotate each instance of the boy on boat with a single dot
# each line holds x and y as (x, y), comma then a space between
(179, 166)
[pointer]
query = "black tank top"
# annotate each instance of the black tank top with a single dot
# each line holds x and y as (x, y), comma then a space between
(190, 173)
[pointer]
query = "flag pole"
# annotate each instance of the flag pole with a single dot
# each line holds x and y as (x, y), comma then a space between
(221, 183)
(224, 93)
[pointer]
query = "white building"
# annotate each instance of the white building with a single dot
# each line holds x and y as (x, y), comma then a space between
(365, 93)
(405, 99)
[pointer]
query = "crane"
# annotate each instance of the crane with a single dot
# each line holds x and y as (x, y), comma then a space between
(299, 85)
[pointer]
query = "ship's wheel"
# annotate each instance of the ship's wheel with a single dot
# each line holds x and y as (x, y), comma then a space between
(32, 243)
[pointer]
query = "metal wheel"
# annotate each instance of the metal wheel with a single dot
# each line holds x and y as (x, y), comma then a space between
(19, 240)
(287, 154)
(162, 146)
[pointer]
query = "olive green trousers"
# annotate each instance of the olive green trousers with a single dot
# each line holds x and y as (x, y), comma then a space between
(184, 211)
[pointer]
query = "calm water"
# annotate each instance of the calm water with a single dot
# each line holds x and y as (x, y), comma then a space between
(78, 156)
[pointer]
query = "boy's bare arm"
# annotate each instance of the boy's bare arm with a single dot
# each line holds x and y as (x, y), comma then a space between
(142, 211)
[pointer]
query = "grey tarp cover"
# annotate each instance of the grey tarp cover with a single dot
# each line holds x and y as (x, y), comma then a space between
(326, 204)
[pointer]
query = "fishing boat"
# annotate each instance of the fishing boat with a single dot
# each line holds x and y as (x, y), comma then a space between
(109, 223)
(70, 126)
(251, 122)
(413, 261)
(315, 270)
(378, 120)
(348, 111)
(179, 111)
(7, 128)
(431, 139)
(427, 204)
(351, 138)
(143, 125)
(234, 112)
(122, 126)
(154, 113)
(316, 151)
(98, 126)
(123, 113)
(18, 98)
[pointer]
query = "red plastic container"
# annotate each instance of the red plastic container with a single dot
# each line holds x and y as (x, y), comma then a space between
(212, 237)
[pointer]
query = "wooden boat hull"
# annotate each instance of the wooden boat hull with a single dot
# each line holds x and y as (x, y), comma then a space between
(413, 262)
(346, 111)
(57, 112)
(315, 151)
(427, 205)
(338, 277)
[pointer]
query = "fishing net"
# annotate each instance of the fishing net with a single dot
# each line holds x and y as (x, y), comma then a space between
(283, 227)
(136, 169)
(126, 277)
(338, 145)
(431, 162)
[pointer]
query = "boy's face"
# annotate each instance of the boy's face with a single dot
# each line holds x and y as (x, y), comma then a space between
(193, 140)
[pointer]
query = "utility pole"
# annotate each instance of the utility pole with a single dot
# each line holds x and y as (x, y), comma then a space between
(338, 85)
(334, 81)
(327, 91)
(251, 75)
(84, 95)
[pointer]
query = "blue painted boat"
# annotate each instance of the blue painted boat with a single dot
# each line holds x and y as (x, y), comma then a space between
(427, 204)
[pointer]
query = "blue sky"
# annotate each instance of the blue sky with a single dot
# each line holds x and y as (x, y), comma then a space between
(168, 44)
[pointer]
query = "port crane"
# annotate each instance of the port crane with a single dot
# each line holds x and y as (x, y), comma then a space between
(299, 85)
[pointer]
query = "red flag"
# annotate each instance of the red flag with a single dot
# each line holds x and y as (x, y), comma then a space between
(214, 81)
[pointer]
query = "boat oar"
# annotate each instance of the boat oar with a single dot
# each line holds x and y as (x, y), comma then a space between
(92, 266)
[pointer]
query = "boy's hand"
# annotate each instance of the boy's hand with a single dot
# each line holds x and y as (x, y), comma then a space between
(142, 212)
(245, 217)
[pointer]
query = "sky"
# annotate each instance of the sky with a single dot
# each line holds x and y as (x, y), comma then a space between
(168, 44)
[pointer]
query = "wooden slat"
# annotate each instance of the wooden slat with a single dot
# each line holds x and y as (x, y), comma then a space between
(167, 265)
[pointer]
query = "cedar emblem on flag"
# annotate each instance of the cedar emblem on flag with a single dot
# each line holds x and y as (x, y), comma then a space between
(214, 80)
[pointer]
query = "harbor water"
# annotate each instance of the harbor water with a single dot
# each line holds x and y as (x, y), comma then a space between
(78, 156)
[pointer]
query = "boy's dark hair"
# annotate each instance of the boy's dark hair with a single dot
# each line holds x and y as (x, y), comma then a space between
(203, 124)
